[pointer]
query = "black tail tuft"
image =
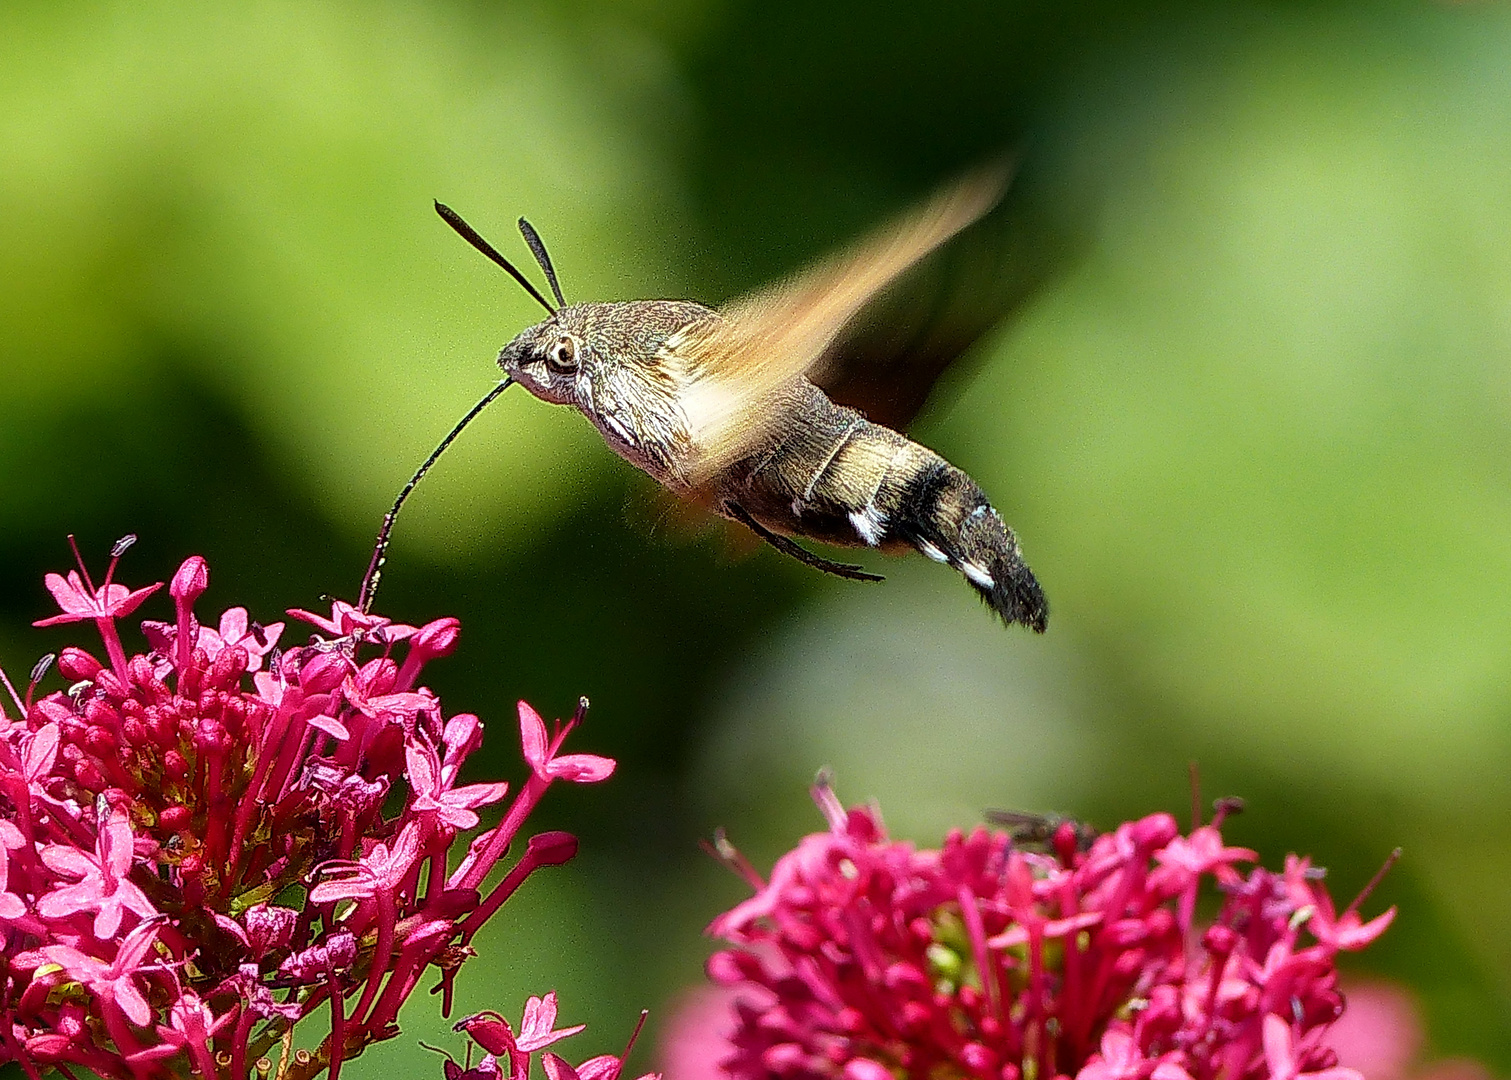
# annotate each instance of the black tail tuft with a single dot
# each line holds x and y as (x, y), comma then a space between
(946, 517)
(1007, 584)
(1017, 597)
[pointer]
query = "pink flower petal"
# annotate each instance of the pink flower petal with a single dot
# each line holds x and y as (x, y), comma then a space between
(489, 1031)
(581, 768)
(602, 1067)
(532, 737)
(557, 1069)
(330, 725)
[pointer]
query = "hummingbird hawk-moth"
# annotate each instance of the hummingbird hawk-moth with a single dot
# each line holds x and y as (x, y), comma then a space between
(725, 408)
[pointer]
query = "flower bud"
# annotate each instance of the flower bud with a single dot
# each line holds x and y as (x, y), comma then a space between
(322, 673)
(1154, 831)
(190, 581)
(75, 664)
(785, 1059)
(730, 966)
(1220, 940)
(551, 848)
(978, 1058)
(436, 639)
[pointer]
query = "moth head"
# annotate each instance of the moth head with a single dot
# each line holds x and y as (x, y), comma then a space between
(553, 359)
(583, 350)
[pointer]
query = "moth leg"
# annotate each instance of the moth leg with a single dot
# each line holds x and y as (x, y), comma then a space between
(801, 554)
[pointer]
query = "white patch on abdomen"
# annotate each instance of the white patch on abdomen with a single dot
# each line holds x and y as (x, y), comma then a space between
(977, 574)
(870, 524)
(932, 552)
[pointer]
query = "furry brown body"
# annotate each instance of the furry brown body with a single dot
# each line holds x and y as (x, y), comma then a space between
(721, 408)
(808, 468)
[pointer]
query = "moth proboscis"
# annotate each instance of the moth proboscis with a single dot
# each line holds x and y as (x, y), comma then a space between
(724, 407)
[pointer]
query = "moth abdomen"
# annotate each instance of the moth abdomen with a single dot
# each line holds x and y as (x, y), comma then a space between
(942, 512)
(836, 477)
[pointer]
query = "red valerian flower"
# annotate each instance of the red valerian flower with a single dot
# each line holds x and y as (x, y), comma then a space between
(865, 958)
(212, 839)
(79, 601)
(446, 807)
(103, 886)
(114, 982)
(537, 1030)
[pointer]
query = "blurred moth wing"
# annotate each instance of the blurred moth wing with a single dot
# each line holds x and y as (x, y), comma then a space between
(766, 447)
(738, 363)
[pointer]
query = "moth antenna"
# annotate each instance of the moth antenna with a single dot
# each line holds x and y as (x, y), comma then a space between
(380, 549)
(469, 234)
(538, 249)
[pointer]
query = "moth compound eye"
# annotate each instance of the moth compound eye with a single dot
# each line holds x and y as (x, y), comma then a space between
(563, 354)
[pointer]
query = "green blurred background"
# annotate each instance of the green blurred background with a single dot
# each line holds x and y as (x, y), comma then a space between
(1250, 413)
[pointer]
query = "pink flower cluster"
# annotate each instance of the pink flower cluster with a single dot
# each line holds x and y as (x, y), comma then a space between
(207, 841)
(503, 1050)
(864, 958)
